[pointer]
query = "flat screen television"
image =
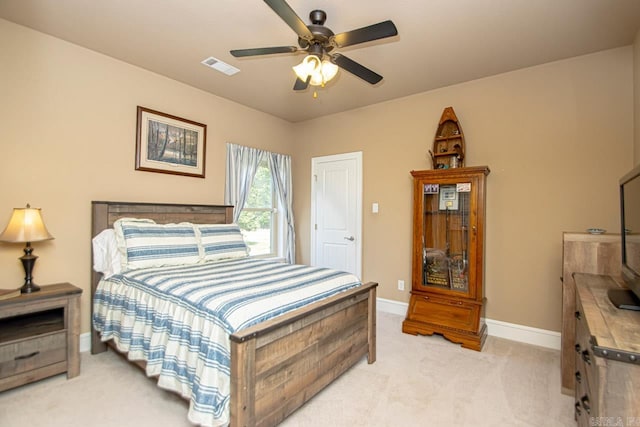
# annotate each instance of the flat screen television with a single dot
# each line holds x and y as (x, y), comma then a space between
(630, 235)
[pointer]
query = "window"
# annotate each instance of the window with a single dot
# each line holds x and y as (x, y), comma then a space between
(258, 220)
(264, 210)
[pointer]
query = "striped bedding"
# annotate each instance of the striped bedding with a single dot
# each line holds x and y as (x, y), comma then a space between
(178, 319)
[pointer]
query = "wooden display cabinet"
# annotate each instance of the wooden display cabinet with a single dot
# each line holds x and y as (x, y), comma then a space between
(447, 293)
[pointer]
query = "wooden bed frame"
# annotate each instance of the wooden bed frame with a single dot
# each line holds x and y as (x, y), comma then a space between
(279, 364)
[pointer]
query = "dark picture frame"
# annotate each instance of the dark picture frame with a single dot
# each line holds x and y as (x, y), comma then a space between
(170, 144)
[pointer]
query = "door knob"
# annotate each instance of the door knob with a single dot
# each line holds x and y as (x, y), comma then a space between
(350, 238)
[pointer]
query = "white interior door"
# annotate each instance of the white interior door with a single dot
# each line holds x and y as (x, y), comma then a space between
(336, 212)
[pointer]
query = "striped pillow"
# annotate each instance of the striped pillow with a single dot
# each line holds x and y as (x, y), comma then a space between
(221, 241)
(156, 245)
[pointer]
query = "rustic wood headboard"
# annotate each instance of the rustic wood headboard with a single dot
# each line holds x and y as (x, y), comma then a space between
(104, 214)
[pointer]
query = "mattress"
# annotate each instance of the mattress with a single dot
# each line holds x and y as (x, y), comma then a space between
(178, 319)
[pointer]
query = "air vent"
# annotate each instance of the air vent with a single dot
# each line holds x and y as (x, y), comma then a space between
(218, 65)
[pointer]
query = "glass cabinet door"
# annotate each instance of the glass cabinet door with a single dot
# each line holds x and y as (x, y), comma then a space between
(445, 237)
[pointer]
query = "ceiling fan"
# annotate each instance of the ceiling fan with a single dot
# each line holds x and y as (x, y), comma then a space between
(321, 63)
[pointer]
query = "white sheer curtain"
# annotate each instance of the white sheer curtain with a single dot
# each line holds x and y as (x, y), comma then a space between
(242, 163)
(280, 165)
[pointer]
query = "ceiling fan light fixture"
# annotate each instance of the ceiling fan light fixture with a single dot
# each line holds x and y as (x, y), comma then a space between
(309, 66)
(329, 70)
(320, 71)
(319, 41)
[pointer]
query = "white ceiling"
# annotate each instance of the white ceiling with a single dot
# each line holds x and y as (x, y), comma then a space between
(439, 42)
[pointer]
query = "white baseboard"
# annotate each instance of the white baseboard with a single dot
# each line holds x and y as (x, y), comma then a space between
(522, 333)
(393, 307)
(496, 328)
(85, 342)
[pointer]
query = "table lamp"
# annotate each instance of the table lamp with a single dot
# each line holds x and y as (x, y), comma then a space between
(26, 226)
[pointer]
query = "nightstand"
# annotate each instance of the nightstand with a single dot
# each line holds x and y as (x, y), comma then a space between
(39, 335)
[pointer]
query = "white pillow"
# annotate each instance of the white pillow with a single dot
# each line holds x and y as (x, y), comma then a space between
(155, 245)
(221, 241)
(106, 257)
(122, 245)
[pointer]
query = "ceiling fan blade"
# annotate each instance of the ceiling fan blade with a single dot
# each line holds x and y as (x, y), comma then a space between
(238, 53)
(288, 15)
(365, 34)
(356, 69)
(301, 85)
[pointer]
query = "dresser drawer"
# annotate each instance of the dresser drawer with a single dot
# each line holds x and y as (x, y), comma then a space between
(586, 361)
(450, 313)
(584, 403)
(28, 354)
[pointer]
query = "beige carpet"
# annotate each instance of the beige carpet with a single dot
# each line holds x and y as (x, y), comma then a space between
(416, 381)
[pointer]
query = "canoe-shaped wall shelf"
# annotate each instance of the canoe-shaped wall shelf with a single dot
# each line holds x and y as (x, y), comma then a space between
(448, 144)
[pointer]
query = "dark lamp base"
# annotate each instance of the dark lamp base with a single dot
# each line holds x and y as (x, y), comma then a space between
(28, 288)
(28, 260)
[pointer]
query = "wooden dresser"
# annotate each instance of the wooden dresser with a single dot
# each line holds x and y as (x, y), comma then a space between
(582, 253)
(39, 335)
(607, 356)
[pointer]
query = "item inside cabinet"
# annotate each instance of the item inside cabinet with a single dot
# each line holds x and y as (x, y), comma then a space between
(445, 256)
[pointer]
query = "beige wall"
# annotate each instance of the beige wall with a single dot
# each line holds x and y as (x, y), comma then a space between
(557, 137)
(636, 97)
(68, 120)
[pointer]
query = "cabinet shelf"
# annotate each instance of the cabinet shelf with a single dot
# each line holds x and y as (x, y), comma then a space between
(31, 324)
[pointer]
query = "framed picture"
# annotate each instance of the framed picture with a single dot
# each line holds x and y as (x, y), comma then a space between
(448, 198)
(170, 144)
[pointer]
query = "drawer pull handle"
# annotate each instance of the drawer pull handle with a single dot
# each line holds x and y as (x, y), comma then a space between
(585, 404)
(578, 377)
(27, 356)
(586, 357)
(578, 409)
(578, 315)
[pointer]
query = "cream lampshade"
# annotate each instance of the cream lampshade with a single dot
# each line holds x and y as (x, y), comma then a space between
(26, 226)
(320, 71)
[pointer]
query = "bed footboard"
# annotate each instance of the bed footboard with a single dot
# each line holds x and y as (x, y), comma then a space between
(278, 365)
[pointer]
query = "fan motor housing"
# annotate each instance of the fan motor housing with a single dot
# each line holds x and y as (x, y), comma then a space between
(321, 34)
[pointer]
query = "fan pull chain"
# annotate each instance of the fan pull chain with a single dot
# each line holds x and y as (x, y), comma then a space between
(315, 93)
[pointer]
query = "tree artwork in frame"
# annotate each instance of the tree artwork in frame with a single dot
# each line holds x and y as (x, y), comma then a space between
(170, 144)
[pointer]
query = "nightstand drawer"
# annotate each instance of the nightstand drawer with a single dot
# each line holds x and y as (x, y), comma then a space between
(33, 353)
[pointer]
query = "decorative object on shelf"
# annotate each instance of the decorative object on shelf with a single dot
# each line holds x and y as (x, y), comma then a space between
(170, 144)
(596, 230)
(447, 281)
(448, 145)
(26, 226)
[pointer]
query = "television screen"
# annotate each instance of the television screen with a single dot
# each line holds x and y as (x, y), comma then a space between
(631, 253)
(630, 233)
